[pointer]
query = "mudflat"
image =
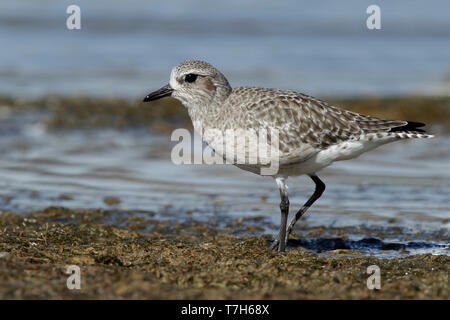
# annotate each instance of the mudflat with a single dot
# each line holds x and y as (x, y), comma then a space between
(144, 258)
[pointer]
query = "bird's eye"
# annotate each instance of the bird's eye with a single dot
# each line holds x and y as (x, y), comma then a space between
(190, 77)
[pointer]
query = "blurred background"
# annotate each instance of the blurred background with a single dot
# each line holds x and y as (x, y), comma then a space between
(127, 47)
(73, 132)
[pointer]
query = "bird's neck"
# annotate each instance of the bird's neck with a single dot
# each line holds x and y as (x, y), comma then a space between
(209, 113)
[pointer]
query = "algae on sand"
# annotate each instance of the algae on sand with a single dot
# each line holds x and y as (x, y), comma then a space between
(173, 260)
(165, 115)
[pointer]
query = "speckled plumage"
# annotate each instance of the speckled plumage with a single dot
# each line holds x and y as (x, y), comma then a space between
(312, 133)
(307, 126)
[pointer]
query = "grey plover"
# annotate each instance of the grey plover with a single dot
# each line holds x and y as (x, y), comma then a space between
(312, 133)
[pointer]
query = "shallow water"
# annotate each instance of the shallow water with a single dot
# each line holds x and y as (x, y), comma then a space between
(404, 185)
(127, 48)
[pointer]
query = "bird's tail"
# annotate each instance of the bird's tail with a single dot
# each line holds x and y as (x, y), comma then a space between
(411, 130)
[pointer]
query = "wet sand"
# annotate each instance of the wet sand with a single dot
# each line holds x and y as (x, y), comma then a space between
(75, 192)
(192, 260)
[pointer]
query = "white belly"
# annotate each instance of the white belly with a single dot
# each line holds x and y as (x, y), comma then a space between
(342, 151)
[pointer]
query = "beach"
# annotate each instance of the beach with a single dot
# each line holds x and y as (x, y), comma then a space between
(88, 180)
(198, 233)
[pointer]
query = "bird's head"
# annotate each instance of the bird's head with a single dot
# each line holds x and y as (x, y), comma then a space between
(194, 82)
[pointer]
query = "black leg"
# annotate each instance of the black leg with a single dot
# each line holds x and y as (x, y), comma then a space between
(284, 208)
(320, 188)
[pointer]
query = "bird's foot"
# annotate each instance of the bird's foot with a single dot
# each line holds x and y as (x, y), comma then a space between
(275, 246)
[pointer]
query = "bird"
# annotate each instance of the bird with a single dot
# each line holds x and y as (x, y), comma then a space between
(311, 133)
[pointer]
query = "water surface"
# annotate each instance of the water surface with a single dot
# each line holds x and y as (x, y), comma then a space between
(128, 47)
(404, 184)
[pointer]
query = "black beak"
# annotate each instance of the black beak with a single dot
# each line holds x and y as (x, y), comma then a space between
(158, 94)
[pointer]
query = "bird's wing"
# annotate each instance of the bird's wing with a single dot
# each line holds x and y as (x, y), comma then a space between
(306, 125)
